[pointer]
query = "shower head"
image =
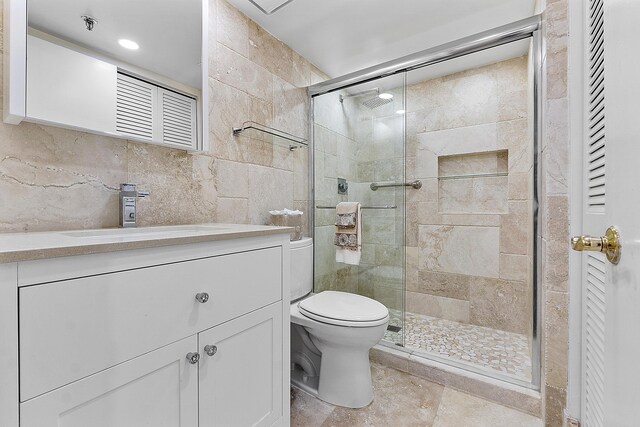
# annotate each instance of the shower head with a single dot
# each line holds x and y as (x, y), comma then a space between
(376, 102)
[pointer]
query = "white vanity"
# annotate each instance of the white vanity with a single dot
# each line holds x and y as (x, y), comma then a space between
(159, 326)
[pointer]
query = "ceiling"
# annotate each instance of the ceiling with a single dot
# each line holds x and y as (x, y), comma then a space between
(343, 36)
(168, 31)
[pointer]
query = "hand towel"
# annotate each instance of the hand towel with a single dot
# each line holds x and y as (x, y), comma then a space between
(348, 236)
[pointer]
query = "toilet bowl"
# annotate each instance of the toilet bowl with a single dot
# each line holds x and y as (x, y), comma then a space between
(331, 335)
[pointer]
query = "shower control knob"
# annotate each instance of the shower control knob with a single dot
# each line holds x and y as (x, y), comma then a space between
(193, 358)
(210, 349)
(202, 297)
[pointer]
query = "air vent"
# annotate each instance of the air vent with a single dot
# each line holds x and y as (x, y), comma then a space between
(270, 6)
(178, 119)
(135, 107)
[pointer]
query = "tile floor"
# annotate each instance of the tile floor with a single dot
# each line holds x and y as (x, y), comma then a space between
(505, 352)
(402, 400)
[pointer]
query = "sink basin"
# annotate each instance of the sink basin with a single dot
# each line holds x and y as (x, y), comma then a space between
(132, 233)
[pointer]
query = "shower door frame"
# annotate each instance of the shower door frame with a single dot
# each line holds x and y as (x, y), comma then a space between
(520, 30)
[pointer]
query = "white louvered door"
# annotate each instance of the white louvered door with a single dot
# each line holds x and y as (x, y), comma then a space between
(136, 108)
(594, 222)
(178, 119)
(611, 293)
(151, 113)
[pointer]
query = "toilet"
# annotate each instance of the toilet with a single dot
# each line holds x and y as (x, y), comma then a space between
(331, 335)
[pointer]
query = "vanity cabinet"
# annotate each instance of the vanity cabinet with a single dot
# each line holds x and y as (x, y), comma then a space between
(240, 370)
(181, 335)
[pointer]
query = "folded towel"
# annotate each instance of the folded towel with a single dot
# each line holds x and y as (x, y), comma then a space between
(348, 236)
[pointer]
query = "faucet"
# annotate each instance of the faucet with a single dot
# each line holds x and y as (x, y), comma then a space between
(128, 197)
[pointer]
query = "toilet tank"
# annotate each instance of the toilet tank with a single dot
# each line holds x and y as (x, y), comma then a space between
(301, 267)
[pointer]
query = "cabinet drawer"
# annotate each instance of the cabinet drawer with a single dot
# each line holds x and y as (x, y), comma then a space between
(74, 328)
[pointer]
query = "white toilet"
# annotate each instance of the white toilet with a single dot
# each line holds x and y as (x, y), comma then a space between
(331, 334)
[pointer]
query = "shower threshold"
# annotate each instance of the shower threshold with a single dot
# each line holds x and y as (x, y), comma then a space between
(485, 349)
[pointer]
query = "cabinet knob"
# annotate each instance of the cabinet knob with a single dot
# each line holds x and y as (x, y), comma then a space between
(193, 358)
(210, 349)
(202, 297)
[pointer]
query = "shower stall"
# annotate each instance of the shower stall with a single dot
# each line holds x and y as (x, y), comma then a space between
(440, 148)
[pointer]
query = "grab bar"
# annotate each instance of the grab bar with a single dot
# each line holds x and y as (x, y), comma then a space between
(417, 184)
(363, 207)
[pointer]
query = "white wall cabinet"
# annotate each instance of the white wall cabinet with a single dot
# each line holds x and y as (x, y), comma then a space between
(103, 339)
(69, 88)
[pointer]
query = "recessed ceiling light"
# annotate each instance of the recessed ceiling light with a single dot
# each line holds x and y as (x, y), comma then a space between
(128, 44)
(400, 112)
(385, 96)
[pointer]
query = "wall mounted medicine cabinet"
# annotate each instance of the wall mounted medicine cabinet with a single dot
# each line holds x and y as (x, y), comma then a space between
(132, 70)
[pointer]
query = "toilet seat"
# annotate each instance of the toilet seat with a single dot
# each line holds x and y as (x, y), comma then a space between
(344, 309)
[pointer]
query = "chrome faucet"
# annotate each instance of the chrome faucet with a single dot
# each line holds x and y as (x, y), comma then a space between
(128, 197)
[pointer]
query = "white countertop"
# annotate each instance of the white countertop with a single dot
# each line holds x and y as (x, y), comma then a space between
(16, 247)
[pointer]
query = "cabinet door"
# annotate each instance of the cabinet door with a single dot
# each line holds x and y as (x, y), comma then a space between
(156, 389)
(241, 384)
(69, 88)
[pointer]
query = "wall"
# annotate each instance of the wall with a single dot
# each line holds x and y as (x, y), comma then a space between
(469, 239)
(53, 179)
(554, 199)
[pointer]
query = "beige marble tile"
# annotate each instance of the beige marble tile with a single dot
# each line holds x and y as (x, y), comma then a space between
(263, 198)
(515, 267)
(234, 211)
(232, 179)
(473, 195)
(308, 411)
(399, 399)
(227, 107)
(447, 249)
(448, 285)
(290, 108)
(556, 339)
(168, 174)
(301, 71)
(499, 304)
(459, 409)
(232, 28)
(269, 52)
(472, 163)
(440, 307)
(515, 229)
(237, 71)
(556, 153)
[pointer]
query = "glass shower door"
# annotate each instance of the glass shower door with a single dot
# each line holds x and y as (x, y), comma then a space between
(359, 142)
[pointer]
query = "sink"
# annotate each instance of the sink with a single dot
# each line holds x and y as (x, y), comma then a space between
(146, 232)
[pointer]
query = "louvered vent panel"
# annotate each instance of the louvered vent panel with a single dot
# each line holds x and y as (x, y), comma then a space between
(178, 119)
(135, 104)
(596, 109)
(594, 337)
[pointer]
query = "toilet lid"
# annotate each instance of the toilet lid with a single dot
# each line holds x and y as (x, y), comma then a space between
(343, 306)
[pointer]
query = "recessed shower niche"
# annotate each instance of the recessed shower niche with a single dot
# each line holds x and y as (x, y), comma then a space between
(473, 183)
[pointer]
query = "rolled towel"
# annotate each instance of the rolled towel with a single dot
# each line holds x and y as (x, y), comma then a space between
(348, 234)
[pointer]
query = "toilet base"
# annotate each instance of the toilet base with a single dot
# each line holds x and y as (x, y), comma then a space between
(345, 379)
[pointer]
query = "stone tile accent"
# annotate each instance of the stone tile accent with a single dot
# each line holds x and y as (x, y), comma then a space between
(463, 250)
(458, 409)
(500, 304)
(440, 307)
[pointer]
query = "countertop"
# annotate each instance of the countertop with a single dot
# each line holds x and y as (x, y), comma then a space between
(15, 247)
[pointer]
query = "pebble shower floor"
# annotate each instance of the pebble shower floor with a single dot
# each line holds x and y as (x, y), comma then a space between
(505, 352)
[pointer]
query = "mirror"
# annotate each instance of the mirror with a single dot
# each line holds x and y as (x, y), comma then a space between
(131, 69)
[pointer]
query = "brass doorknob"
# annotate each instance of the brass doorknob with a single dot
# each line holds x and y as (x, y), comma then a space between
(609, 244)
